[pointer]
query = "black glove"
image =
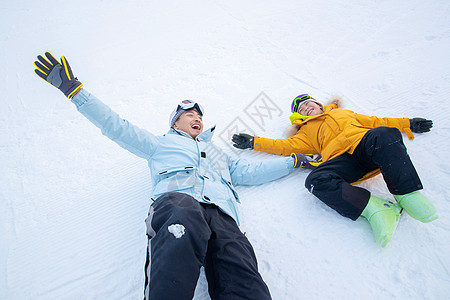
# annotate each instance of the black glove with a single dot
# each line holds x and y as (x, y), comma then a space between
(420, 125)
(306, 161)
(57, 74)
(242, 141)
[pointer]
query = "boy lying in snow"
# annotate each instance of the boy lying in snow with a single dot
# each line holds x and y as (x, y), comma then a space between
(194, 221)
(353, 147)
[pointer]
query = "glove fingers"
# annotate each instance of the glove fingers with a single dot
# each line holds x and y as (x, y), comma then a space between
(421, 125)
(426, 125)
(42, 68)
(305, 161)
(236, 139)
(67, 69)
(51, 58)
(312, 165)
(238, 146)
(41, 74)
(309, 158)
(45, 62)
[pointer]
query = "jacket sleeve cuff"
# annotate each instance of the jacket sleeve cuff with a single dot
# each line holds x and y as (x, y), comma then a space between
(81, 98)
(290, 163)
(257, 143)
(406, 128)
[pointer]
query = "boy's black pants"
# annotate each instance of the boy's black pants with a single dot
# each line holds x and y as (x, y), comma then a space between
(211, 239)
(381, 147)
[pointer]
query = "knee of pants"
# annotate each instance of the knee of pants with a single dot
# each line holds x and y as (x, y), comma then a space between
(385, 135)
(317, 178)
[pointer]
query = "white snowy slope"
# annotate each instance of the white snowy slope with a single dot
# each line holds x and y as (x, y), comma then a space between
(73, 203)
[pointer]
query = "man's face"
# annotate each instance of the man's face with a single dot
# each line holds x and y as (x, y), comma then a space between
(310, 108)
(190, 122)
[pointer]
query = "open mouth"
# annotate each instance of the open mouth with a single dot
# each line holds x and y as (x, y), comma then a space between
(196, 126)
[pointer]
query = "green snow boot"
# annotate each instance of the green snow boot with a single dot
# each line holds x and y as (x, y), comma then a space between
(417, 206)
(383, 218)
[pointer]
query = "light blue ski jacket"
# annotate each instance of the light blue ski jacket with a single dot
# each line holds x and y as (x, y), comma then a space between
(180, 163)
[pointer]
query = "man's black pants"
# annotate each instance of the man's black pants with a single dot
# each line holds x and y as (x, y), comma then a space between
(185, 235)
(381, 147)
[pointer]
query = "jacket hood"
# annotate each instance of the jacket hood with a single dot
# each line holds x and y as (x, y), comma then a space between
(336, 100)
(333, 100)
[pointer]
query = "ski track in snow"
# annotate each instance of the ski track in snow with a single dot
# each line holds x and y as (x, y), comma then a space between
(73, 203)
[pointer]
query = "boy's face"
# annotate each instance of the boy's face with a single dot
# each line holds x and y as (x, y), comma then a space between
(190, 122)
(310, 108)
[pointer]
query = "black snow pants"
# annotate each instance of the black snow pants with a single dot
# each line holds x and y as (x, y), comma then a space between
(381, 147)
(185, 235)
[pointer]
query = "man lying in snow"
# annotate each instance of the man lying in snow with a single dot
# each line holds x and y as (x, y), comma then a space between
(353, 147)
(193, 222)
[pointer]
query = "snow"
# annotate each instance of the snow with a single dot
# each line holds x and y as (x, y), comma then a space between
(178, 230)
(73, 203)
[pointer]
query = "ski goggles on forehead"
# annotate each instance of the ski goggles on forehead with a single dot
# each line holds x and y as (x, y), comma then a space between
(182, 107)
(299, 100)
(189, 104)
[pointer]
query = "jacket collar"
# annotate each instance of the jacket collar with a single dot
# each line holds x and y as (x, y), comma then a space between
(205, 136)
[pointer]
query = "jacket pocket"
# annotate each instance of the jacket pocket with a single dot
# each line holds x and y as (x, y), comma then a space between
(174, 180)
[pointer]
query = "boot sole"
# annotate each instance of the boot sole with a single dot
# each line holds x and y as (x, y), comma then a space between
(430, 219)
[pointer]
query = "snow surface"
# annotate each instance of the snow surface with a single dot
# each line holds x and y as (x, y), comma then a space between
(73, 203)
(177, 230)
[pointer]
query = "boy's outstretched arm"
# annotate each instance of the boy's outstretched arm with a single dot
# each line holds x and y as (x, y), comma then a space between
(132, 138)
(295, 144)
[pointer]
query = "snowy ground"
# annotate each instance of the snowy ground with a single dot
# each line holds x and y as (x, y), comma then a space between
(73, 204)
